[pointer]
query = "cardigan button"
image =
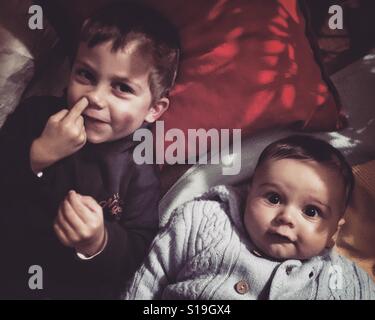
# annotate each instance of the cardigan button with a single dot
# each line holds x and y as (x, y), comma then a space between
(242, 287)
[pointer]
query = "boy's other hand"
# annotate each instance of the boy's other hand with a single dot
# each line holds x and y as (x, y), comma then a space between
(80, 225)
(63, 135)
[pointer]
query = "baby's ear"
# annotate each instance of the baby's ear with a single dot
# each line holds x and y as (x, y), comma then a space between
(156, 110)
(333, 239)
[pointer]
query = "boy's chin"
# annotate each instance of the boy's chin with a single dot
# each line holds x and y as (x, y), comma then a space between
(95, 139)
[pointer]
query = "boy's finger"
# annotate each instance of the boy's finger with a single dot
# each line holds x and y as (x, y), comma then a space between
(78, 206)
(60, 115)
(90, 203)
(61, 235)
(66, 228)
(77, 109)
(80, 121)
(71, 216)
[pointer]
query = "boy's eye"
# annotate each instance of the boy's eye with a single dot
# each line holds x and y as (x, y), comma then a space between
(273, 198)
(312, 211)
(85, 74)
(123, 88)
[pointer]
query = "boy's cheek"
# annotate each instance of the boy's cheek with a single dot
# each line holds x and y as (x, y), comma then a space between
(70, 94)
(74, 92)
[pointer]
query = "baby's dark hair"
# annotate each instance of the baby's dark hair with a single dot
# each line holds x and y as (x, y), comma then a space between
(303, 147)
(125, 21)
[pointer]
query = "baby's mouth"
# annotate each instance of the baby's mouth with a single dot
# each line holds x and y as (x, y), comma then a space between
(279, 238)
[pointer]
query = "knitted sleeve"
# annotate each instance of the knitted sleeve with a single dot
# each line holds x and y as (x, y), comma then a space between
(186, 247)
(342, 279)
(165, 258)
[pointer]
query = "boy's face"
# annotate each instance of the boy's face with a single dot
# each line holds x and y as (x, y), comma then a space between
(294, 208)
(117, 87)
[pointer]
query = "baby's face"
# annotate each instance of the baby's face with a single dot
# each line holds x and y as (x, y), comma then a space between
(294, 208)
(117, 88)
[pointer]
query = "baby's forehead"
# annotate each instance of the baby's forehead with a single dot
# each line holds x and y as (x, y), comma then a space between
(298, 175)
(279, 165)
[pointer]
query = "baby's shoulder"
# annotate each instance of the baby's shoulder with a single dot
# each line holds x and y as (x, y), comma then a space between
(205, 214)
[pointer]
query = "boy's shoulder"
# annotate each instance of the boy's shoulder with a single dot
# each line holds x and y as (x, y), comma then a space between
(36, 110)
(49, 104)
(31, 114)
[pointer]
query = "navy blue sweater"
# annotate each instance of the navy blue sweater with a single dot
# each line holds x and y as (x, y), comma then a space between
(128, 193)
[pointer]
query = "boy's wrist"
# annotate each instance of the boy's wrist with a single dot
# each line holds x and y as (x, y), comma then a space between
(94, 249)
(40, 157)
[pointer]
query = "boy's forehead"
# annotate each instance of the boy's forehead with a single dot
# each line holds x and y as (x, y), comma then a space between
(130, 59)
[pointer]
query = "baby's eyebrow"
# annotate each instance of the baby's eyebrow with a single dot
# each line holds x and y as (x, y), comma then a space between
(269, 184)
(321, 203)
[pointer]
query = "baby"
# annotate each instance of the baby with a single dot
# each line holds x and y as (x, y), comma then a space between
(276, 246)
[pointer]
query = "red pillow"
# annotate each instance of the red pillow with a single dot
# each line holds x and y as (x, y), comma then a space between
(246, 64)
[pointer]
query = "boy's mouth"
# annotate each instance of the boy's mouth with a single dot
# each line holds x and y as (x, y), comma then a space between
(94, 119)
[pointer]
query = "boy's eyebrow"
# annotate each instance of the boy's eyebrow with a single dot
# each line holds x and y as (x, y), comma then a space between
(127, 80)
(115, 78)
(85, 64)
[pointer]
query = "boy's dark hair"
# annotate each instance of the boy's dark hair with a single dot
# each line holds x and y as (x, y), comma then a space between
(122, 22)
(303, 147)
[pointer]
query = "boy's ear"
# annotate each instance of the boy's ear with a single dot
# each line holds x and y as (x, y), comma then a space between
(157, 110)
(332, 241)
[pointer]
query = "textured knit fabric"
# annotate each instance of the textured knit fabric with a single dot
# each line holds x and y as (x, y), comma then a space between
(205, 253)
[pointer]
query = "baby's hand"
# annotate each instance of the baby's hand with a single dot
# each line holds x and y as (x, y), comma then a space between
(79, 224)
(63, 135)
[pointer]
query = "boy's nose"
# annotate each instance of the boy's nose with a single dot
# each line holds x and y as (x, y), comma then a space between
(96, 98)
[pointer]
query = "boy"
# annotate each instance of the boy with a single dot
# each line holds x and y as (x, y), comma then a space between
(73, 200)
(276, 246)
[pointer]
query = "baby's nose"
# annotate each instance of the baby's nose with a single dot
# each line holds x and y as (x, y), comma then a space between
(286, 216)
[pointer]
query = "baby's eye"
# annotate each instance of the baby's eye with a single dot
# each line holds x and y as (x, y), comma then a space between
(312, 211)
(273, 197)
(123, 88)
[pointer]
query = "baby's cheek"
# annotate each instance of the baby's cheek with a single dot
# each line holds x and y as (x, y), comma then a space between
(255, 215)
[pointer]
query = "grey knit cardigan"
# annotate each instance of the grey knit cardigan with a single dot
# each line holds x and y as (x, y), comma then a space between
(205, 253)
